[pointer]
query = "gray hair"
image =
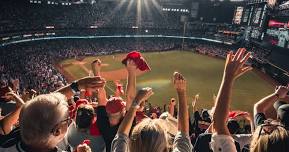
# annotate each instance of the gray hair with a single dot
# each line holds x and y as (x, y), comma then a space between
(39, 115)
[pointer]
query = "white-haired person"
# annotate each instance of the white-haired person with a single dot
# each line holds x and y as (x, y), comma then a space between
(150, 135)
(44, 120)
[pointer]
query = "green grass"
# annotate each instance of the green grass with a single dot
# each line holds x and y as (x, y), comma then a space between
(203, 74)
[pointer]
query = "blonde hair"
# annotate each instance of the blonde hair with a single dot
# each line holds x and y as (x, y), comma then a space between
(149, 136)
(277, 140)
(38, 117)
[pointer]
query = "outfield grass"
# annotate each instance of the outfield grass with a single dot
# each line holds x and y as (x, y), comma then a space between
(203, 74)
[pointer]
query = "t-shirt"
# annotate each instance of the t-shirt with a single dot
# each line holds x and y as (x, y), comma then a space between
(222, 143)
(203, 143)
(75, 137)
(108, 132)
(259, 119)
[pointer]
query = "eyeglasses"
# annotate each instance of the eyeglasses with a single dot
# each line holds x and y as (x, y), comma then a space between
(269, 126)
(68, 121)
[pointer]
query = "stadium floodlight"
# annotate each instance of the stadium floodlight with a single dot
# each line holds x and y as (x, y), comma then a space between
(49, 27)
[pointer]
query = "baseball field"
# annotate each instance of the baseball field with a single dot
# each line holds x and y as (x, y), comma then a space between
(203, 74)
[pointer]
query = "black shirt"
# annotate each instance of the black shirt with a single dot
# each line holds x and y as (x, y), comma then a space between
(203, 143)
(259, 119)
(10, 139)
(108, 132)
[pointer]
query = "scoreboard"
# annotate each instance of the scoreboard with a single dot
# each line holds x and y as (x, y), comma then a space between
(255, 18)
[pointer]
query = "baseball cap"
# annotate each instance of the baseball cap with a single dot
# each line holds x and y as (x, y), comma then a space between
(138, 59)
(84, 116)
(73, 108)
(115, 105)
(282, 109)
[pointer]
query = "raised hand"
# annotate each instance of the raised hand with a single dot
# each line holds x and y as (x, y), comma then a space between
(18, 100)
(96, 67)
(179, 82)
(131, 66)
(235, 64)
(142, 95)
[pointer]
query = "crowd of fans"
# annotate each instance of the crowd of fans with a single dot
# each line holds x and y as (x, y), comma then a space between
(103, 14)
(34, 64)
(81, 117)
(259, 54)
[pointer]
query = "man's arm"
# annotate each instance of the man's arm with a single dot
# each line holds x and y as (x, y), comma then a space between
(86, 83)
(102, 98)
(11, 119)
(264, 104)
(131, 82)
(101, 95)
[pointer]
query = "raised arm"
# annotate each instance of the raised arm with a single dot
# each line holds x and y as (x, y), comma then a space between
(182, 140)
(131, 82)
(264, 104)
(234, 68)
(180, 85)
(101, 95)
(126, 123)
(86, 83)
(11, 119)
(96, 67)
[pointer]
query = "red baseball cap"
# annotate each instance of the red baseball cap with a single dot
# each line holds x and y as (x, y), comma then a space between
(138, 60)
(115, 105)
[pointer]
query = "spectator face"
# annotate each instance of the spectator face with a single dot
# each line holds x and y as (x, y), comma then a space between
(115, 118)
